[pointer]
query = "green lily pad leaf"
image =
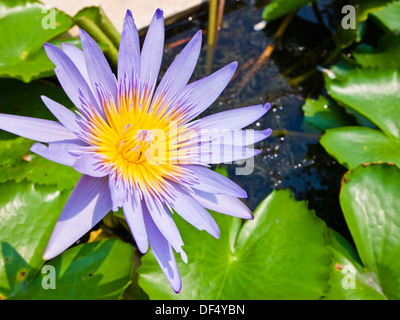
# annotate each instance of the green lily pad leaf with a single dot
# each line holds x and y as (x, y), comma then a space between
(324, 114)
(341, 69)
(25, 26)
(370, 202)
(339, 72)
(374, 93)
(18, 163)
(353, 146)
(349, 280)
(370, 57)
(279, 8)
(371, 6)
(388, 17)
(16, 160)
(28, 214)
(344, 37)
(264, 259)
(98, 270)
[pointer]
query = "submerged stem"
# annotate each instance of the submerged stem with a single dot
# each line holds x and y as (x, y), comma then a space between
(268, 50)
(298, 134)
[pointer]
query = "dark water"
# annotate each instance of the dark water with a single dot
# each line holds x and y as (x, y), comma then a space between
(295, 161)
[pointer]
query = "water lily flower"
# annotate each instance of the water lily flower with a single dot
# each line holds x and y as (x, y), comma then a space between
(141, 147)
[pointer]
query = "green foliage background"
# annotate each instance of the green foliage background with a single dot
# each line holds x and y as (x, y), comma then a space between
(286, 252)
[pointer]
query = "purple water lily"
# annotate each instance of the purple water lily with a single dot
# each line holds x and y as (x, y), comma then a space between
(140, 147)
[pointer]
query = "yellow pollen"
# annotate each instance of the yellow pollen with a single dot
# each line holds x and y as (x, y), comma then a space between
(139, 143)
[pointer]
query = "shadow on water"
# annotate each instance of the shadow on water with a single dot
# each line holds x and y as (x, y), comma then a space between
(295, 161)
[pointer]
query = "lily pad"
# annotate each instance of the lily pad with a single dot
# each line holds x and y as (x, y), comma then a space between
(28, 214)
(353, 146)
(383, 58)
(324, 114)
(349, 280)
(372, 92)
(388, 17)
(279, 8)
(25, 26)
(18, 163)
(370, 202)
(263, 259)
(16, 160)
(98, 270)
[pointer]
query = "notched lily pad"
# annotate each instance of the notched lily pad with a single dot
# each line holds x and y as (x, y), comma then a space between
(261, 260)
(370, 202)
(98, 270)
(25, 26)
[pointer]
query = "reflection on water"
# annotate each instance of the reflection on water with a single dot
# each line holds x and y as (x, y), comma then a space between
(295, 161)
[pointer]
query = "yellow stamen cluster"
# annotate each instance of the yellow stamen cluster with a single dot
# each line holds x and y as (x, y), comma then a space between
(140, 141)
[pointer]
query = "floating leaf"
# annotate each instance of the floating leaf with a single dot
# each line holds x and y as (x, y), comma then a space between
(388, 17)
(370, 202)
(372, 92)
(16, 160)
(18, 163)
(24, 27)
(279, 8)
(264, 259)
(341, 69)
(352, 146)
(359, 11)
(383, 58)
(28, 214)
(96, 270)
(323, 114)
(348, 280)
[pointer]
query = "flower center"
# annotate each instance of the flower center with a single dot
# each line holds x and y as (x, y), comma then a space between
(140, 143)
(135, 147)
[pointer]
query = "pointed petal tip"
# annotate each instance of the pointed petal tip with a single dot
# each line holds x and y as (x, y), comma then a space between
(49, 49)
(216, 233)
(37, 146)
(49, 253)
(267, 106)
(81, 31)
(234, 65)
(199, 33)
(177, 287)
(230, 68)
(247, 214)
(198, 37)
(49, 45)
(159, 13)
(85, 36)
(65, 45)
(264, 134)
(243, 195)
(143, 249)
(267, 132)
(129, 14)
